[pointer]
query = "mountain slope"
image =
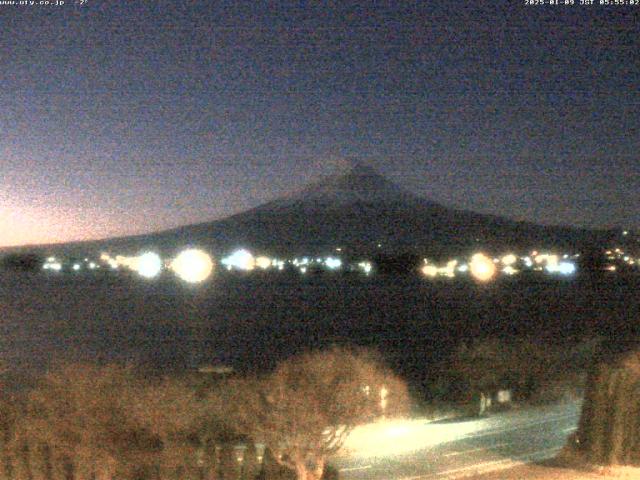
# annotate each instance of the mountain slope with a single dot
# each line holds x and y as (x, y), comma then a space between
(360, 211)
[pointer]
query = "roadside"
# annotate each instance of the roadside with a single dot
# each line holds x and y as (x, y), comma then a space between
(552, 470)
(456, 448)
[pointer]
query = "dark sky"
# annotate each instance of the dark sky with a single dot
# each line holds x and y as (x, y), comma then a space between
(121, 117)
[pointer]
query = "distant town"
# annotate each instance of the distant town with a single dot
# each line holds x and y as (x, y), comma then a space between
(197, 265)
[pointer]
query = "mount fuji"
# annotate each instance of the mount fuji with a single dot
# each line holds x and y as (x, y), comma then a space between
(359, 211)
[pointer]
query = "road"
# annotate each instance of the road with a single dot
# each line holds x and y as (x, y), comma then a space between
(449, 449)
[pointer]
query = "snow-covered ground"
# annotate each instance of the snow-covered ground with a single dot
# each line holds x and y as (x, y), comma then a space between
(422, 450)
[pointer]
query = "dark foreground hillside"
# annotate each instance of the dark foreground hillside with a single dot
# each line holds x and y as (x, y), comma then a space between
(251, 322)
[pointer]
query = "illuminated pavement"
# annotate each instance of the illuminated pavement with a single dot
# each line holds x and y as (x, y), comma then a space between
(417, 450)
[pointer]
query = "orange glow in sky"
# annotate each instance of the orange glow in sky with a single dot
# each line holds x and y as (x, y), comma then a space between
(21, 225)
(32, 225)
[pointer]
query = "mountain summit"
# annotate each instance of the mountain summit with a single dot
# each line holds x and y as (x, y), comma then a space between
(359, 183)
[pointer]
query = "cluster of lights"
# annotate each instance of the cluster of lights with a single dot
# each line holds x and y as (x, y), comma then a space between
(540, 262)
(191, 265)
(326, 263)
(620, 256)
(365, 267)
(52, 264)
(243, 260)
(481, 267)
(111, 262)
(195, 265)
(302, 262)
(484, 268)
(431, 270)
(147, 265)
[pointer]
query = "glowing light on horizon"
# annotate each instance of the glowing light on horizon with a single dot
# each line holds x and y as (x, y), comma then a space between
(509, 270)
(333, 263)
(482, 267)
(509, 259)
(365, 267)
(52, 265)
(148, 265)
(430, 270)
(192, 265)
(263, 262)
(563, 268)
(449, 270)
(240, 259)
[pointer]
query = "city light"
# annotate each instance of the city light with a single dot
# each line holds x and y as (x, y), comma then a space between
(365, 267)
(509, 259)
(449, 269)
(263, 262)
(482, 267)
(430, 270)
(148, 265)
(333, 263)
(52, 264)
(509, 270)
(566, 268)
(563, 268)
(192, 265)
(241, 260)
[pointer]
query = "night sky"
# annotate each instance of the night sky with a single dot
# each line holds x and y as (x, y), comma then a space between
(121, 117)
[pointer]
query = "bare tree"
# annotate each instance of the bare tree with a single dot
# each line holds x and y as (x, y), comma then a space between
(77, 421)
(174, 412)
(307, 407)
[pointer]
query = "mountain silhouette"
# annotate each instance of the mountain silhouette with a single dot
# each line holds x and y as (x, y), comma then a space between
(359, 211)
